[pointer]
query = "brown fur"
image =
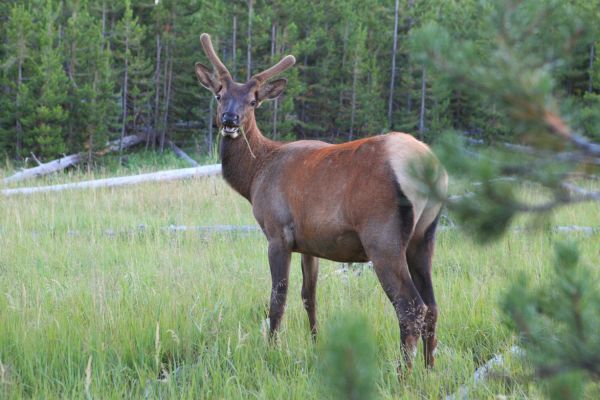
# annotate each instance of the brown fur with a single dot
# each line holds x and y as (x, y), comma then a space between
(352, 202)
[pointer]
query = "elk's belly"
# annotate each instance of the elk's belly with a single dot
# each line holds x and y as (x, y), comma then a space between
(339, 246)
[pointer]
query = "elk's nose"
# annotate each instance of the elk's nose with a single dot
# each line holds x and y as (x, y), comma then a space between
(230, 119)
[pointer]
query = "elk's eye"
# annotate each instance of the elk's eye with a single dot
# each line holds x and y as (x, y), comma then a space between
(218, 97)
(253, 103)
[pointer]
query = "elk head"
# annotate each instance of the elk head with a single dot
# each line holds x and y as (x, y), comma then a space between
(237, 101)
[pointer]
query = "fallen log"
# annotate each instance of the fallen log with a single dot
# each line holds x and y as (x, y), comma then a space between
(202, 229)
(182, 154)
(214, 228)
(70, 160)
(128, 141)
(570, 156)
(482, 373)
(46, 168)
(169, 175)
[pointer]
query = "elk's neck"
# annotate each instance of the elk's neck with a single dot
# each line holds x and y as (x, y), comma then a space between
(240, 165)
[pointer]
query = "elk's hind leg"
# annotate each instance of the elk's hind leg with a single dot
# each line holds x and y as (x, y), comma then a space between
(391, 267)
(310, 273)
(398, 286)
(419, 256)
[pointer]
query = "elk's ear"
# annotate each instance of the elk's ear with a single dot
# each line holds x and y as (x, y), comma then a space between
(271, 90)
(206, 78)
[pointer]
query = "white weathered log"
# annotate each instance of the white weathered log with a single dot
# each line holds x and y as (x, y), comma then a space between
(46, 168)
(169, 175)
(566, 156)
(182, 154)
(128, 141)
(483, 372)
(214, 228)
(68, 161)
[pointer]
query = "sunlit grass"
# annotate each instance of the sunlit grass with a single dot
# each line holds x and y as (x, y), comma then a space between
(96, 278)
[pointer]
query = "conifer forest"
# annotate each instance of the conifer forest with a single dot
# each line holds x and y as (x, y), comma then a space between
(77, 73)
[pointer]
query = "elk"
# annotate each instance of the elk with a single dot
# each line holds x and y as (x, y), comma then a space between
(368, 199)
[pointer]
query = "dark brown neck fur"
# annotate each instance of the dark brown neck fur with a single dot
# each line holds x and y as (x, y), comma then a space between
(240, 168)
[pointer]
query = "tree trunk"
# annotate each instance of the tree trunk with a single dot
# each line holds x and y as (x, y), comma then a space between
(304, 75)
(409, 24)
(273, 43)
(342, 93)
(103, 24)
(156, 93)
(249, 50)
(393, 75)
(169, 78)
(112, 29)
(345, 44)
(354, 79)
(124, 102)
(233, 47)
(274, 109)
(591, 68)
(61, 28)
(422, 112)
(164, 89)
(18, 127)
(90, 156)
(72, 62)
(71, 67)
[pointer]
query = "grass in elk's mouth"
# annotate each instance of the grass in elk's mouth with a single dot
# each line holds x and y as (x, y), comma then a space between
(92, 305)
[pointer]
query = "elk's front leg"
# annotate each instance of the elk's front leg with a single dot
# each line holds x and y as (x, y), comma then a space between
(310, 272)
(279, 261)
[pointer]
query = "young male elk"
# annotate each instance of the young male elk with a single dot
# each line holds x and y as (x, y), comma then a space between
(352, 202)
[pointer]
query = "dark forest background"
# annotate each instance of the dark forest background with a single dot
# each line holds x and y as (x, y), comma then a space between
(75, 74)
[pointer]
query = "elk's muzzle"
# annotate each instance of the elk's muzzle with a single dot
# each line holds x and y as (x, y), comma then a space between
(231, 124)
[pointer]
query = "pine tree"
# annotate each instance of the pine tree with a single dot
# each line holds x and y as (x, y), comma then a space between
(347, 360)
(18, 66)
(286, 118)
(91, 100)
(186, 102)
(557, 322)
(44, 127)
(98, 103)
(129, 34)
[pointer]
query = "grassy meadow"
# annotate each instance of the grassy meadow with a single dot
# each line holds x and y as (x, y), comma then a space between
(100, 299)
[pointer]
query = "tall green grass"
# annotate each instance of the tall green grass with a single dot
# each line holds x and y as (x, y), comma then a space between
(99, 299)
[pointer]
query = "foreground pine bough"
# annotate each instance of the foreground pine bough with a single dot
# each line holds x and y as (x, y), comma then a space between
(364, 200)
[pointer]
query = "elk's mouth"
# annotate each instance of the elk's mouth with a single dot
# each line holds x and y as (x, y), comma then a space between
(230, 130)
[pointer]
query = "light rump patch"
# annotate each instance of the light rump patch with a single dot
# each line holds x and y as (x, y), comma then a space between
(411, 160)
